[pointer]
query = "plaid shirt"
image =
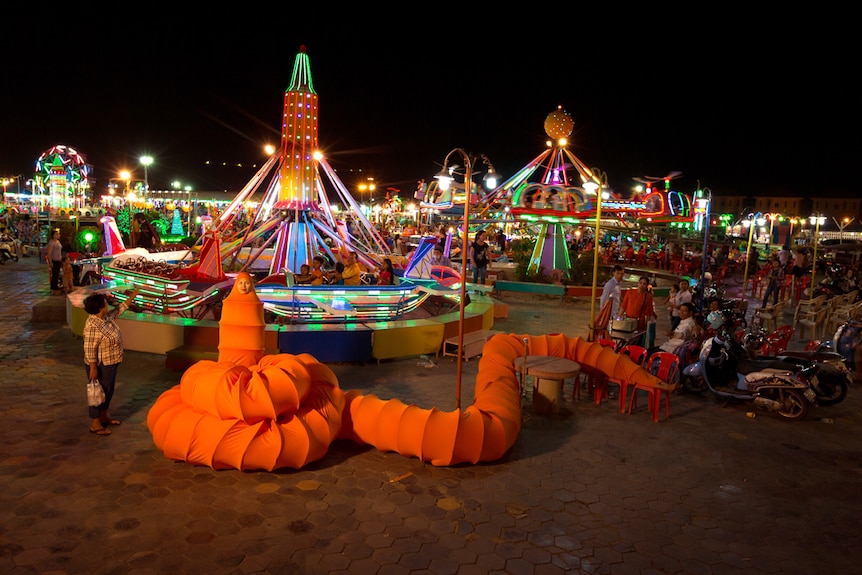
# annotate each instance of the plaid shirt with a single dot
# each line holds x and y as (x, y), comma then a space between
(103, 340)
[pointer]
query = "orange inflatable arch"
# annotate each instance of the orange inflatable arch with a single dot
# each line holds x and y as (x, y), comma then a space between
(253, 411)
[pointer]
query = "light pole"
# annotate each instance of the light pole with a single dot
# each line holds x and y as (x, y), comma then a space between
(750, 222)
(367, 186)
(816, 220)
(445, 178)
(596, 184)
(702, 203)
(841, 225)
(146, 161)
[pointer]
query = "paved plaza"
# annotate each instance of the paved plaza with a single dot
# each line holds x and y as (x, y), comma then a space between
(706, 491)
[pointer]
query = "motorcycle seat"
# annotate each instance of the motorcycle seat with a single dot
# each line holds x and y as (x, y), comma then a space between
(761, 368)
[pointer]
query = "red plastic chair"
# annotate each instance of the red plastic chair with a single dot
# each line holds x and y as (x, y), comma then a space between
(594, 378)
(638, 355)
(778, 340)
(665, 366)
(786, 287)
(756, 282)
(812, 345)
(802, 285)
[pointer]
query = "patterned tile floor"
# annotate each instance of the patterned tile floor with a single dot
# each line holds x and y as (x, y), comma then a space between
(707, 491)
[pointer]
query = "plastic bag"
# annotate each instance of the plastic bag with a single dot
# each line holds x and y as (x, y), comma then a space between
(95, 393)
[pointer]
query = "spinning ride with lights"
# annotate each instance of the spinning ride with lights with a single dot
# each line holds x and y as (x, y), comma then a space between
(295, 222)
(556, 188)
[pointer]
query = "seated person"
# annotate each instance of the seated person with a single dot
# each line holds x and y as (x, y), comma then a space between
(304, 276)
(334, 276)
(438, 259)
(352, 273)
(687, 331)
(317, 274)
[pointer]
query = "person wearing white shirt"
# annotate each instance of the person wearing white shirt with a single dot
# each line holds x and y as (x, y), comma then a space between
(684, 296)
(686, 331)
(613, 291)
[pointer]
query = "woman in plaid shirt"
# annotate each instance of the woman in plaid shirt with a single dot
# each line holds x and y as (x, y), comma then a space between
(103, 353)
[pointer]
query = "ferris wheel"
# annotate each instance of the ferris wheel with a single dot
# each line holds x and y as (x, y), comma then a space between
(62, 174)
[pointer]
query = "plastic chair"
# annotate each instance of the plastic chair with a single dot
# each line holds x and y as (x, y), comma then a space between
(637, 354)
(801, 286)
(756, 282)
(771, 315)
(777, 341)
(806, 315)
(595, 379)
(665, 366)
(786, 287)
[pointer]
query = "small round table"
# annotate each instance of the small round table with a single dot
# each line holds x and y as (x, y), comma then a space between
(550, 373)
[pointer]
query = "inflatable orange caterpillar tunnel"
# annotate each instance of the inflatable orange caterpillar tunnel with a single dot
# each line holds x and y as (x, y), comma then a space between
(253, 411)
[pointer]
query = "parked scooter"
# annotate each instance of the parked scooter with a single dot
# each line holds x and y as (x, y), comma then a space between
(727, 373)
(828, 373)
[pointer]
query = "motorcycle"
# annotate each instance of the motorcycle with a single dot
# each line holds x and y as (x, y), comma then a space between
(829, 375)
(737, 308)
(723, 371)
(828, 372)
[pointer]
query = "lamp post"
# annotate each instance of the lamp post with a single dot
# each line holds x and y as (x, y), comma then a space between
(146, 161)
(702, 205)
(598, 181)
(445, 178)
(841, 225)
(816, 220)
(750, 222)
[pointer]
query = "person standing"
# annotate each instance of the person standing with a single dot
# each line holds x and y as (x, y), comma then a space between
(775, 276)
(68, 274)
(638, 304)
(103, 353)
(54, 258)
(671, 302)
(613, 291)
(479, 252)
(148, 238)
(684, 296)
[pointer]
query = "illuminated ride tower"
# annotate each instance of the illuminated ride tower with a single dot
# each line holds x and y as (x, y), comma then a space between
(297, 172)
(296, 212)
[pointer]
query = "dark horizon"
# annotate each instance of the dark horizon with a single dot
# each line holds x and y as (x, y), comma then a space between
(739, 127)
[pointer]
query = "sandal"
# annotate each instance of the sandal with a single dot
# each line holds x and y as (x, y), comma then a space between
(107, 422)
(101, 431)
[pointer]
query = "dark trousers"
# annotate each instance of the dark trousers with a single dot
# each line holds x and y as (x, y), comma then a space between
(774, 289)
(56, 274)
(108, 379)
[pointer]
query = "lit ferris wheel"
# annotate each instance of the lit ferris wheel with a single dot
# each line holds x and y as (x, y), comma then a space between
(62, 174)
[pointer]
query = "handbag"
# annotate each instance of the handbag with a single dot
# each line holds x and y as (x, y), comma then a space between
(95, 393)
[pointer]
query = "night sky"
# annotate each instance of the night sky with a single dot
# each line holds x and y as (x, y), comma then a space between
(777, 118)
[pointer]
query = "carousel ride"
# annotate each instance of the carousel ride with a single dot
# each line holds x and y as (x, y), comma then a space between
(292, 224)
(556, 189)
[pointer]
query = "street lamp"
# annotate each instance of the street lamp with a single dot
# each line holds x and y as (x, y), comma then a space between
(753, 219)
(146, 161)
(816, 220)
(445, 179)
(703, 200)
(126, 175)
(368, 186)
(841, 225)
(599, 180)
